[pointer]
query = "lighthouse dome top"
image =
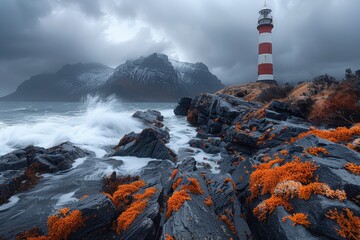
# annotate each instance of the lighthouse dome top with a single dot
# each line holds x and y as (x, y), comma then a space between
(265, 10)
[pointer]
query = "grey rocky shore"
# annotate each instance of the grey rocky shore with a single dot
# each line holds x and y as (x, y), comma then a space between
(184, 199)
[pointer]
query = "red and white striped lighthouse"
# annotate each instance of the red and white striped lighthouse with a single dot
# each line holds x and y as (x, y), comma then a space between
(265, 62)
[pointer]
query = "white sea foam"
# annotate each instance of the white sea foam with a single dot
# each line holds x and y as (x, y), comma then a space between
(102, 123)
(66, 198)
(78, 162)
(12, 201)
(133, 164)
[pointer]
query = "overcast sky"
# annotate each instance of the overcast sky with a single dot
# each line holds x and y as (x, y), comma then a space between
(311, 37)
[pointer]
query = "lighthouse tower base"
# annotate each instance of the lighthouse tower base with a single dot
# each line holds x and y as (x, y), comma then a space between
(268, 81)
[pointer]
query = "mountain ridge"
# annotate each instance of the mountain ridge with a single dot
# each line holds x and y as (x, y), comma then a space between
(151, 78)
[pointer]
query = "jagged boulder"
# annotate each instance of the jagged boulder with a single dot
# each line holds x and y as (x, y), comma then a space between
(147, 144)
(183, 106)
(20, 169)
(211, 197)
(150, 117)
(98, 212)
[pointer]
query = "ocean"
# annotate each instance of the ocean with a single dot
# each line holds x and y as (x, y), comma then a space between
(95, 125)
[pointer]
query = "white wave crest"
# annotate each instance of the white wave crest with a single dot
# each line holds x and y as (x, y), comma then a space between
(101, 123)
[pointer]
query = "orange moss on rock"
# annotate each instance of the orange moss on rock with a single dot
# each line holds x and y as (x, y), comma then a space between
(228, 222)
(176, 183)
(110, 184)
(238, 127)
(321, 189)
(352, 167)
(208, 201)
(269, 205)
(265, 178)
(340, 134)
(316, 150)
(173, 174)
(32, 233)
(60, 226)
(127, 217)
(176, 201)
(349, 223)
(231, 181)
(168, 237)
(193, 186)
(284, 152)
(298, 219)
(119, 197)
(148, 193)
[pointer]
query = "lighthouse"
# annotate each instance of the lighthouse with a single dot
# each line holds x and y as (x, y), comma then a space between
(265, 60)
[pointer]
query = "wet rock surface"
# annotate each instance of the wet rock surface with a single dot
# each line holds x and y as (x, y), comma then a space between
(253, 134)
(183, 107)
(268, 184)
(150, 143)
(21, 169)
(150, 117)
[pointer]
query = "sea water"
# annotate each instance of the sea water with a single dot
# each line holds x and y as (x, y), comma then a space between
(95, 125)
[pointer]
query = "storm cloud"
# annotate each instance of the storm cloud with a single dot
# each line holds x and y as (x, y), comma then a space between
(310, 37)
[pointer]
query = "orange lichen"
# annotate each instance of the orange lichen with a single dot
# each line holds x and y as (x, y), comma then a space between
(254, 129)
(272, 136)
(38, 238)
(266, 179)
(60, 226)
(110, 184)
(208, 201)
(287, 189)
(298, 219)
(269, 205)
(127, 217)
(349, 225)
(284, 152)
(84, 197)
(168, 237)
(266, 158)
(31, 233)
(340, 134)
(120, 196)
(321, 189)
(237, 127)
(352, 167)
(193, 186)
(290, 189)
(192, 115)
(231, 181)
(176, 183)
(176, 201)
(316, 150)
(148, 193)
(173, 174)
(228, 222)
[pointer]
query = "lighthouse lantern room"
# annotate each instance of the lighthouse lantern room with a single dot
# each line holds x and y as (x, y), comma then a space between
(265, 59)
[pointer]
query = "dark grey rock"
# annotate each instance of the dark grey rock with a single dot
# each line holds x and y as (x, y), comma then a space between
(14, 166)
(147, 144)
(98, 212)
(150, 117)
(183, 106)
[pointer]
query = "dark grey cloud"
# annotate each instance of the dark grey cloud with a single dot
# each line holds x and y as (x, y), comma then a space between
(310, 37)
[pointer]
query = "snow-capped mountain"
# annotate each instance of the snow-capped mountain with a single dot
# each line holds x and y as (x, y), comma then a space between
(151, 78)
(70, 83)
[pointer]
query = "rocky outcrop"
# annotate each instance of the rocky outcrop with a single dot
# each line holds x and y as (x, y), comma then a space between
(254, 138)
(150, 143)
(21, 169)
(150, 117)
(183, 107)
